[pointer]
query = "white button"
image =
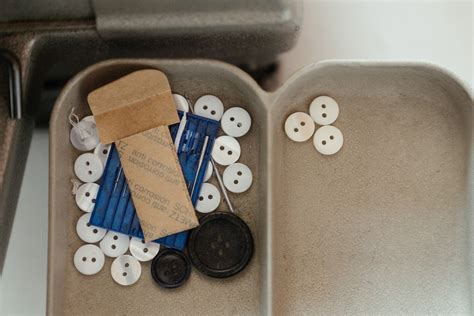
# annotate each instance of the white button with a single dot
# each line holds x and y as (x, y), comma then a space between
(208, 173)
(328, 140)
(86, 195)
(88, 167)
(324, 110)
(209, 198)
(237, 178)
(143, 251)
(87, 232)
(84, 136)
(236, 122)
(226, 150)
(180, 102)
(126, 270)
(102, 151)
(89, 259)
(114, 244)
(299, 127)
(209, 106)
(89, 118)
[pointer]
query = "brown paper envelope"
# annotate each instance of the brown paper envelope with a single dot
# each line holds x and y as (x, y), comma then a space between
(134, 112)
(132, 104)
(158, 189)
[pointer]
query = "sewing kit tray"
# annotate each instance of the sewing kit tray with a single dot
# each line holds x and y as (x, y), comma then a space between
(383, 226)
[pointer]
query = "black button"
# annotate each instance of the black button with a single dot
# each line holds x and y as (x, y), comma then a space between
(170, 268)
(221, 246)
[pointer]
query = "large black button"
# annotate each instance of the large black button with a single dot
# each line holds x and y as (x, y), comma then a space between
(170, 268)
(221, 246)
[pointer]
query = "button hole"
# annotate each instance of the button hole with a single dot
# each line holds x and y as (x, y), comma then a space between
(324, 114)
(229, 152)
(210, 197)
(324, 142)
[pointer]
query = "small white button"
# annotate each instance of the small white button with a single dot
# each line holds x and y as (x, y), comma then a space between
(89, 118)
(102, 151)
(126, 270)
(236, 122)
(114, 244)
(87, 232)
(86, 195)
(89, 259)
(143, 251)
(226, 150)
(299, 127)
(208, 173)
(88, 167)
(324, 110)
(84, 136)
(209, 198)
(180, 102)
(209, 106)
(328, 140)
(237, 178)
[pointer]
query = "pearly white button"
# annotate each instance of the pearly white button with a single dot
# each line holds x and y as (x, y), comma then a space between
(299, 127)
(84, 136)
(89, 118)
(180, 102)
(209, 198)
(209, 106)
(89, 259)
(143, 251)
(236, 122)
(114, 244)
(87, 232)
(328, 140)
(126, 270)
(237, 178)
(86, 195)
(226, 150)
(208, 173)
(324, 110)
(102, 151)
(88, 167)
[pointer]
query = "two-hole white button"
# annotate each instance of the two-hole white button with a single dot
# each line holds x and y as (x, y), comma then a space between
(86, 195)
(102, 151)
(324, 110)
(299, 127)
(236, 122)
(126, 270)
(114, 244)
(226, 150)
(143, 251)
(87, 232)
(209, 198)
(89, 259)
(209, 106)
(328, 140)
(237, 178)
(88, 167)
(84, 135)
(180, 102)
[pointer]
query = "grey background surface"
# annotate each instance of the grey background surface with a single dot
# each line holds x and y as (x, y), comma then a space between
(437, 31)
